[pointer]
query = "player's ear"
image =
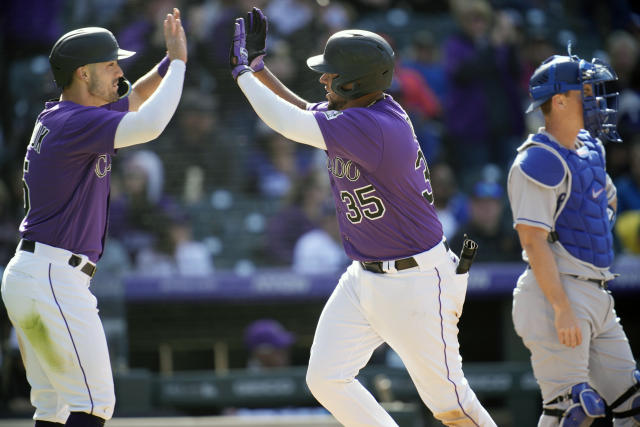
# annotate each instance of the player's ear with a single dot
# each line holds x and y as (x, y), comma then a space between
(82, 73)
(559, 100)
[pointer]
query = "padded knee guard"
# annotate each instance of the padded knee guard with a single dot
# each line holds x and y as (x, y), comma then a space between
(634, 412)
(586, 405)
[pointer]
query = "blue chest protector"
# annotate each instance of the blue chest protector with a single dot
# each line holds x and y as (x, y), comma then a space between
(581, 221)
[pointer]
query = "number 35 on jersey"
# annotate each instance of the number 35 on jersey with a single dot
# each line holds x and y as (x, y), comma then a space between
(364, 202)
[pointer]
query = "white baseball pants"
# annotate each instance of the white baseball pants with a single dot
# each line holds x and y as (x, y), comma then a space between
(61, 338)
(416, 312)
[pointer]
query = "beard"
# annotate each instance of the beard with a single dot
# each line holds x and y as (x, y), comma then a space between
(336, 103)
(100, 90)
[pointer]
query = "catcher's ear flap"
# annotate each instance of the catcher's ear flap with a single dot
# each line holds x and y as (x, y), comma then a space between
(124, 87)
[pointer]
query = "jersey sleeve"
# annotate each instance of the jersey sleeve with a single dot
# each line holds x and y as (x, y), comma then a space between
(317, 106)
(121, 104)
(531, 203)
(353, 134)
(92, 130)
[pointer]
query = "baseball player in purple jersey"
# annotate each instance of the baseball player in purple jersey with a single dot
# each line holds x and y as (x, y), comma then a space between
(401, 287)
(67, 168)
(563, 205)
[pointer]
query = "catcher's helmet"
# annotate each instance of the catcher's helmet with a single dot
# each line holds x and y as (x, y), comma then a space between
(559, 74)
(359, 57)
(80, 47)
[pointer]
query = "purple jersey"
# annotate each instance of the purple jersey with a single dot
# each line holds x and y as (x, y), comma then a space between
(67, 171)
(380, 181)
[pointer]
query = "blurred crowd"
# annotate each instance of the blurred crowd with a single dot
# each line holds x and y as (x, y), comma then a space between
(220, 187)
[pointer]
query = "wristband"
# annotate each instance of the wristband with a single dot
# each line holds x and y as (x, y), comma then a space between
(163, 66)
(239, 70)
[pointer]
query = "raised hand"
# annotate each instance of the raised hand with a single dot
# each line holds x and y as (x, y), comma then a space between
(238, 56)
(174, 36)
(256, 37)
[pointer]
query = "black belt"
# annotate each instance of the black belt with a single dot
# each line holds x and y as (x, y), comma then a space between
(400, 264)
(602, 283)
(74, 260)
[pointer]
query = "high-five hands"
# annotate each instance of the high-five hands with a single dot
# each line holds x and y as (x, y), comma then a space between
(238, 55)
(174, 36)
(256, 37)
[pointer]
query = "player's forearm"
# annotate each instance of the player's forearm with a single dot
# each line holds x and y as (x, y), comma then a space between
(284, 117)
(147, 84)
(144, 87)
(268, 79)
(155, 113)
(544, 268)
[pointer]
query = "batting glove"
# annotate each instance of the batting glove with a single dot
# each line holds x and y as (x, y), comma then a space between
(238, 56)
(257, 26)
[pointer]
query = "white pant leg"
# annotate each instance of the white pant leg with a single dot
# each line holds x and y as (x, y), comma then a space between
(342, 345)
(49, 406)
(416, 311)
(52, 307)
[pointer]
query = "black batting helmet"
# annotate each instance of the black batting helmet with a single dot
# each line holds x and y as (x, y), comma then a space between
(359, 57)
(81, 47)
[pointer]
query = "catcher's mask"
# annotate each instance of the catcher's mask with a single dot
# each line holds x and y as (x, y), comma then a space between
(559, 74)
